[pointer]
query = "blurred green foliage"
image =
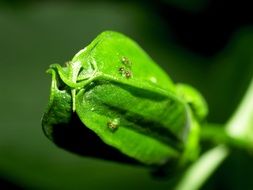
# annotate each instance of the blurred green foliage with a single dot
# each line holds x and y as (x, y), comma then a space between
(34, 35)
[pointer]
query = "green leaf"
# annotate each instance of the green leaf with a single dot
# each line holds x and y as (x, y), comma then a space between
(131, 104)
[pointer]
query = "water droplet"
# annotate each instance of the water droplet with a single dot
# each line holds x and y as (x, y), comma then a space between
(153, 79)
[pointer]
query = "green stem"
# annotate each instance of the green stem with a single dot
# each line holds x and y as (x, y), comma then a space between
(200, 171)
(216, 134)
(238, 132)
(240, 126)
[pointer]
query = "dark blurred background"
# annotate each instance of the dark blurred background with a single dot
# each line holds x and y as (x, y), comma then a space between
(206, 43)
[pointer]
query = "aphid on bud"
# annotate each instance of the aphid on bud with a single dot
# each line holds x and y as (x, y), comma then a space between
(121, 70)
(113, 125)
(128, 74)
(126, 61)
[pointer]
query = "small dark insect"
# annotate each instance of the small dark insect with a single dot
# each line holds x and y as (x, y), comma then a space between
(126, 61)
(121, 69)
(124, 72)
(112, 125)
(128, 74)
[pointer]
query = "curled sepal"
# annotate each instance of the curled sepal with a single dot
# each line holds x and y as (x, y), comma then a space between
(59, 109)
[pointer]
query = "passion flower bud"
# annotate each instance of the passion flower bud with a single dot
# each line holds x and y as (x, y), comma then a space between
(119, 96)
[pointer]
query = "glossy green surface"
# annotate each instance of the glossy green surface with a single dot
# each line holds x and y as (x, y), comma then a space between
(119, 93)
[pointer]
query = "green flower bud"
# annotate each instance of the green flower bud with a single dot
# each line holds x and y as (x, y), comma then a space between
(116, 93)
